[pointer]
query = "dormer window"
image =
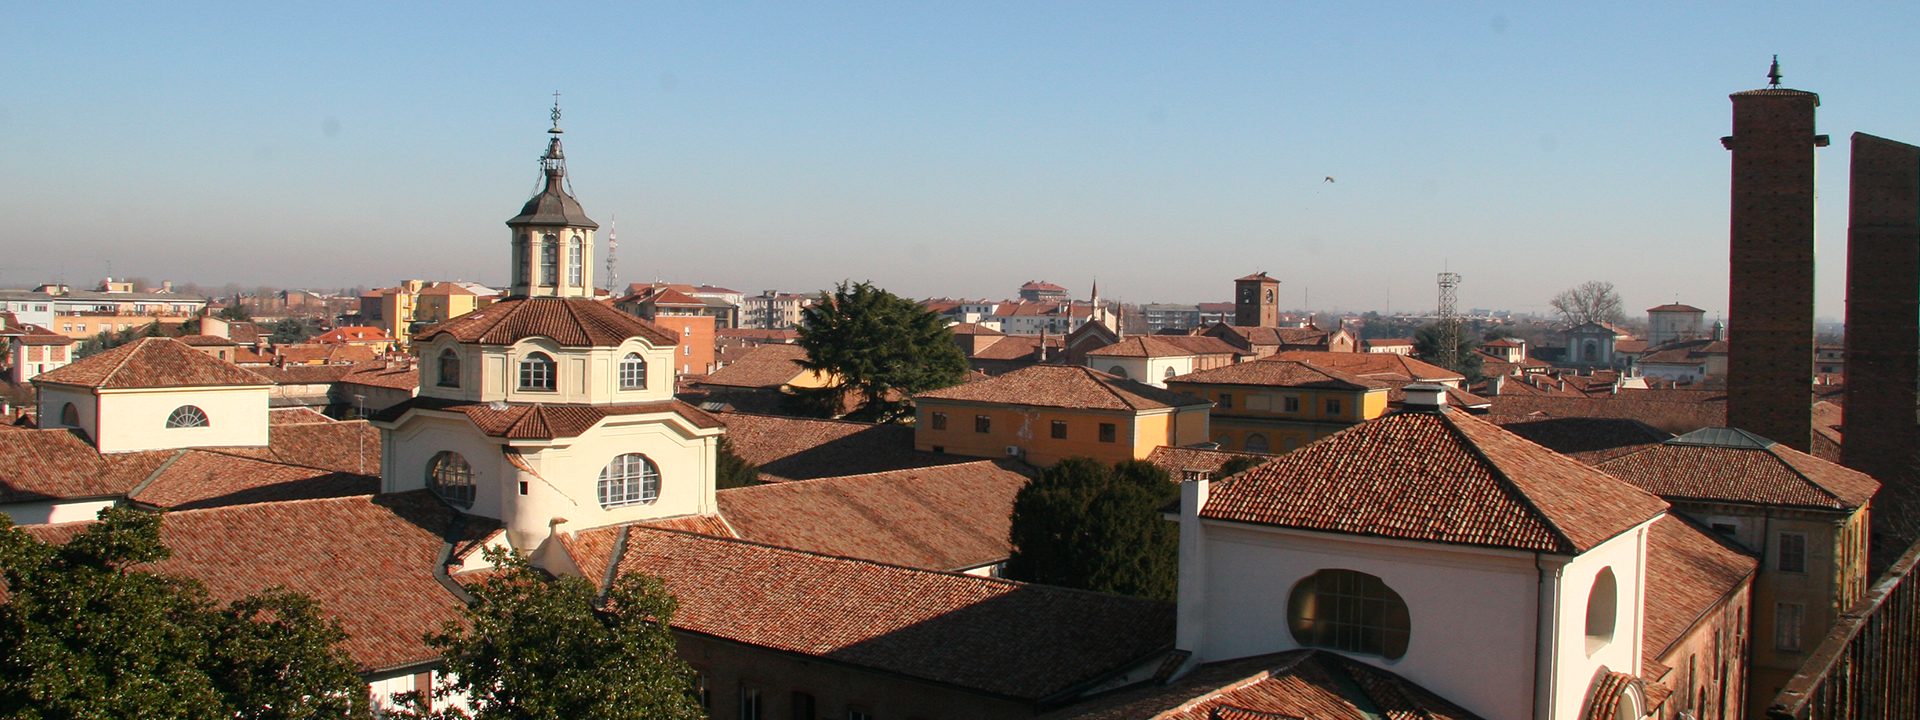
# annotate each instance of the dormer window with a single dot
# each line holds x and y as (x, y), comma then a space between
(633, 372)
(449, 369)
(536, 373)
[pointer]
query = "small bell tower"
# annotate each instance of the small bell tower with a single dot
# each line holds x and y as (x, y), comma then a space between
(552, 237)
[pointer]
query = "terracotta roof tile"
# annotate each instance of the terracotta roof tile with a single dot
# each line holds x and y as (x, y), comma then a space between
(1166, 346)
(303, 374)
(1180, 460)
(1442, 477)
(1774, 475)
(1296, 684)
(334, 354)
(952, 517)
(788, 448)
(357, 333)
(1005, 638)
(380, 586)
(59, 464)
(1068, 387)
(296, 416)
(150, 363)
(972, 329)
(767, 366)
(390, 375)
(1675, 307)
(1689, 571)
(712, 525)
(1282, 373)
(543, 422)
(571, 322)
(205, 340)
(1589, 440)
(351, 446)
(1675, 411)
(1368, 364)
(202, 479)
(1016, 347)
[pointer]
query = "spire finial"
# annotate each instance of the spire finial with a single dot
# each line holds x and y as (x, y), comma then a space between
(1773, 74)
(556, 113)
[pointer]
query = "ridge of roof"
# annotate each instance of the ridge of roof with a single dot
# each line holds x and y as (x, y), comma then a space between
(164, 362)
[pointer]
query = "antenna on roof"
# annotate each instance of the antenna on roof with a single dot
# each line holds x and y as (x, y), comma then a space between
(613, 245)
(1773, 73)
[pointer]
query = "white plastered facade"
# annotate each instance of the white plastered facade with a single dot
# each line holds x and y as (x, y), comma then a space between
(132, 419)
(1150, 370)
(1501, 632)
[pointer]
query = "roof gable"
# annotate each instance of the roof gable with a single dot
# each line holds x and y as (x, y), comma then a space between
(1442, 477)
(151, 363)
(1066, 386)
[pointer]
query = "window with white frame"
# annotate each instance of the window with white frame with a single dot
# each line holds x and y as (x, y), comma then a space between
(576, 259)
(1792, 555)
(630, 479)
(536, 372)
(633, 372)
(187, 416)
(449, 369)
(549, 259)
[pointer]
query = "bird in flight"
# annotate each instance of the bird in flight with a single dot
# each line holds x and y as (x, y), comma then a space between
(1329, 178)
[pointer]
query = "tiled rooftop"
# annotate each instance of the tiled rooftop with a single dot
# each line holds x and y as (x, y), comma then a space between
(951, 517)
(1742, 472)
(543, 422)
(1689, 571)
(1005, 638)
(1281, 373)
(767, 366)
(1067, 387)
(1444, 477)
(571, 322)
(1314, 684)
(789, 448)
(151, 363)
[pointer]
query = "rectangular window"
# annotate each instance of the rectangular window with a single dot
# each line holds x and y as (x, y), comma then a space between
(1792, 555)
(549, 260)
(749, 704)
(1787, 618)
(1059, 429)
(982, 424)
(1226, 401)
(576, 258)
(1291, 404)
(858, 713)
(1726, 529)
(700, 692)
(802, 707)
(939, 421)
(1333, 406)
(1108, 432)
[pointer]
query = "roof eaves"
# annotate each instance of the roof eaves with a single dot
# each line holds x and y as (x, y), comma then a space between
(1565, 542)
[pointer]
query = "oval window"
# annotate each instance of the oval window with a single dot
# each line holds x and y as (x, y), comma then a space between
(1350, 611)
(1603, 603)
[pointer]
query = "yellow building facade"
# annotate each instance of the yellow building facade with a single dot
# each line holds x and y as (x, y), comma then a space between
(1275, 406)
(1047, 413)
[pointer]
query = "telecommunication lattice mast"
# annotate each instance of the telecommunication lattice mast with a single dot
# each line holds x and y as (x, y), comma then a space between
(613, 246)
(1449, 321)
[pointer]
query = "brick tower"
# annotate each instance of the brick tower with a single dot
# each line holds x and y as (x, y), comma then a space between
(1770, 353)
(1256, 301)
(1883, 308)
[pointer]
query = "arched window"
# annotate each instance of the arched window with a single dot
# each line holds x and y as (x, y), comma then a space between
(576, 260)
(70, 415)
(449, 368)
(1350, 611)
(633, 372)
(536, 372)
(1117, 371)
(1602, 605)
(187, 416)
(549, 259)
(1168, 375)
(1258, 443)
(450, 477)
(630, 479)
(1593, 351)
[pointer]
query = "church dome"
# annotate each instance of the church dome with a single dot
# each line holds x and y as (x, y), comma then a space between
(553, 206)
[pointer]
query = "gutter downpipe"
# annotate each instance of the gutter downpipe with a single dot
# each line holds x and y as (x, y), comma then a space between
(1546, 655)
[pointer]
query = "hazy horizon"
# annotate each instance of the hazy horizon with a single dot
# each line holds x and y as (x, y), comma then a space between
(950, 151)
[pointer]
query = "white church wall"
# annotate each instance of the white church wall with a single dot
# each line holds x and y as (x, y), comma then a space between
(407, 450)
(1625, 554)
(1472, 611)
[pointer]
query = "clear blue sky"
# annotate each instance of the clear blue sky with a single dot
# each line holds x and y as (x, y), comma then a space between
(954, 149)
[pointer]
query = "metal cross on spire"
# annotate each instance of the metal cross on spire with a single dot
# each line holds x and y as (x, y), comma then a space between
(556, 113)
(1773, 74)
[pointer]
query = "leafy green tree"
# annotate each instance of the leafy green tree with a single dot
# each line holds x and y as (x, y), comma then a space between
(733, 471)
(540, 648)
(883, 347)
(1084, 524)
(289, 331)
(1237, 465)
(235, 312)
(1431, 340)
(84, 636)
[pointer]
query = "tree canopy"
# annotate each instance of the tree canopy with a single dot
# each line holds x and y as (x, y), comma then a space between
(1590, 301)
(884, 348)
(536, 647)
(731, 470)
(84, 636)
(1084, 524)
(1430, 342)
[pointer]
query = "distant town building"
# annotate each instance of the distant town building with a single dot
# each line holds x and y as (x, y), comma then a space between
(774, 310)
(1042, 291)
(1275, 406)
(1048, 412)
(1674, 321)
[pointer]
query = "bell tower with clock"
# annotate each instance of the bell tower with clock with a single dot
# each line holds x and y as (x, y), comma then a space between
(552, 236)
(1256, 301)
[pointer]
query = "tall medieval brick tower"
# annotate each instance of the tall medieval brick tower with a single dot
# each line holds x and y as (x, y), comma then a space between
(1256, 301)
(1770, 353)
(1883, 308)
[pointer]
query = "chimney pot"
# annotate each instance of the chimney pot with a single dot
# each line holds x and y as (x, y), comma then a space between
(1422, 397)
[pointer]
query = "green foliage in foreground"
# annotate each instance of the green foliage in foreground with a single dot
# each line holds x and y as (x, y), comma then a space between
(1084, 524)
(82, 635)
